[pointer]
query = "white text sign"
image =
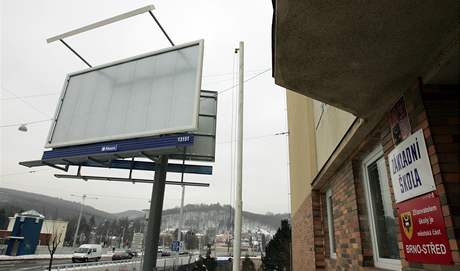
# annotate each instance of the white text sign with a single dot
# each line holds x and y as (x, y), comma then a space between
(410, 168)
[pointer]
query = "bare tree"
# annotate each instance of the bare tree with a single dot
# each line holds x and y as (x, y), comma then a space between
(53, 243)
(55, 238)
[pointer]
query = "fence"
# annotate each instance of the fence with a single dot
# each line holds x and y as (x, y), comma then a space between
(164, 264)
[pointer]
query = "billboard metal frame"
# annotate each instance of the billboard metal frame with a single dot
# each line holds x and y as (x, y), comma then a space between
(199, 43)
(160, 160)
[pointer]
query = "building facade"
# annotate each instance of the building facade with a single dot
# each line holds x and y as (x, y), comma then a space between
(359, 90)
(49, 229)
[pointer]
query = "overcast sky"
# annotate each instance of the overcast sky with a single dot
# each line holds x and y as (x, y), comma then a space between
(30, 66)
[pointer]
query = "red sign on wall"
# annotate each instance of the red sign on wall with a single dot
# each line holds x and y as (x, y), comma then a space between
(423, 230)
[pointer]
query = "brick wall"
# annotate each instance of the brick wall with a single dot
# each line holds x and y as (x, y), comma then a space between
(307, 235)
(434, 109)
(318, 230)
(346, 222)
(303, 257)
(442, 106)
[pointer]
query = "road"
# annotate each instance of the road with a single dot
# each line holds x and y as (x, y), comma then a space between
(32, 265)
(40, 265)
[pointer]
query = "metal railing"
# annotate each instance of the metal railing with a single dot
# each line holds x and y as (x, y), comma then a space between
(163, 264)
(89, 264)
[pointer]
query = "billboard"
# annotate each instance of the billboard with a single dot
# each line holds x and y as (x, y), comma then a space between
(146, 95)
(204, 138)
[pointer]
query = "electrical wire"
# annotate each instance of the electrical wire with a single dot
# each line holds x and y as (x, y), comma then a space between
(23, 98)
(26, 123)
(126, 197)
(225, 80)
(30, 96)
(232, 172)
(25, 101)
(254, 137)
(57, 93)
(22, 173)
(229, 73)
(250, 78)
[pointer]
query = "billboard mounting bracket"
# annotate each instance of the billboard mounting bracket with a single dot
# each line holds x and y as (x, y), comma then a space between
(104, 22)
(133, 180)
(103, 163)
(161, 28)
(153, 158)
(73, 51)
(131, 168)
(65, 168)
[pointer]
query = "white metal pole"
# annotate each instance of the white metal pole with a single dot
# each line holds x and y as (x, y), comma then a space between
(181, 212)
(181, 215)
(82, 203)
(239, 166)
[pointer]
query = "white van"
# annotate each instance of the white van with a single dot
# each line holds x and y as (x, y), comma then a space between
(87, 252)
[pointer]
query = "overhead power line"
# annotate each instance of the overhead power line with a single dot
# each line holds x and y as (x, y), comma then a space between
(250, 78)
(25, 101)
(26, 123)
(30, 96)
(255, 137)
(231, 73)
(25, 172)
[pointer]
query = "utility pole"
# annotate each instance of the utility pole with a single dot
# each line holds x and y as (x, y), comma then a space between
(181, 212)
(82, 204)
(239, 166)
(181, 215)
(144, 231)
(121, 244)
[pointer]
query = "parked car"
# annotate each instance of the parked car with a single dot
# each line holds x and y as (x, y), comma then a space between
(121, 255)
(165, 253)
(131, 252)
(183, 252)
(87, 252)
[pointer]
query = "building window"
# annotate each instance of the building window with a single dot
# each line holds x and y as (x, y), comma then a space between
(330, 224)
(380, 210)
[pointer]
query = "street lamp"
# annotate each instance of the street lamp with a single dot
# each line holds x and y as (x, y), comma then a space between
(23, 128)
(82, 204)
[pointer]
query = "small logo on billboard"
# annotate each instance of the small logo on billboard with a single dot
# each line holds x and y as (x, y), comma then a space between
(109, 148)
(406, 220)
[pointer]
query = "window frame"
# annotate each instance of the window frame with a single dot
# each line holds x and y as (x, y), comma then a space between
(330, 225)
(385, 263)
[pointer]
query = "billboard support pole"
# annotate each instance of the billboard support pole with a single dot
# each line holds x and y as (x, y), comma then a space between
(239, 166)
(156, 208)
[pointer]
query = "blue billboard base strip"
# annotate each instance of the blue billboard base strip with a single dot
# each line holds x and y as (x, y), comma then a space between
(113, 155)
(123, 148)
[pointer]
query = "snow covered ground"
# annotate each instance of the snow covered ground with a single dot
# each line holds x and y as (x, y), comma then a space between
(42, 256)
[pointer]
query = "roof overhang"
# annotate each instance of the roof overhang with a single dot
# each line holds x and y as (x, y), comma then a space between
(361, 56)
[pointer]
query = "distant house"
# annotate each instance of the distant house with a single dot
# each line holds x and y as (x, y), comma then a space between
(48, 230)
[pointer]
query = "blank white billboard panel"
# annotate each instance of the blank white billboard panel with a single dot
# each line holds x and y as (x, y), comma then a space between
(152, 94)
